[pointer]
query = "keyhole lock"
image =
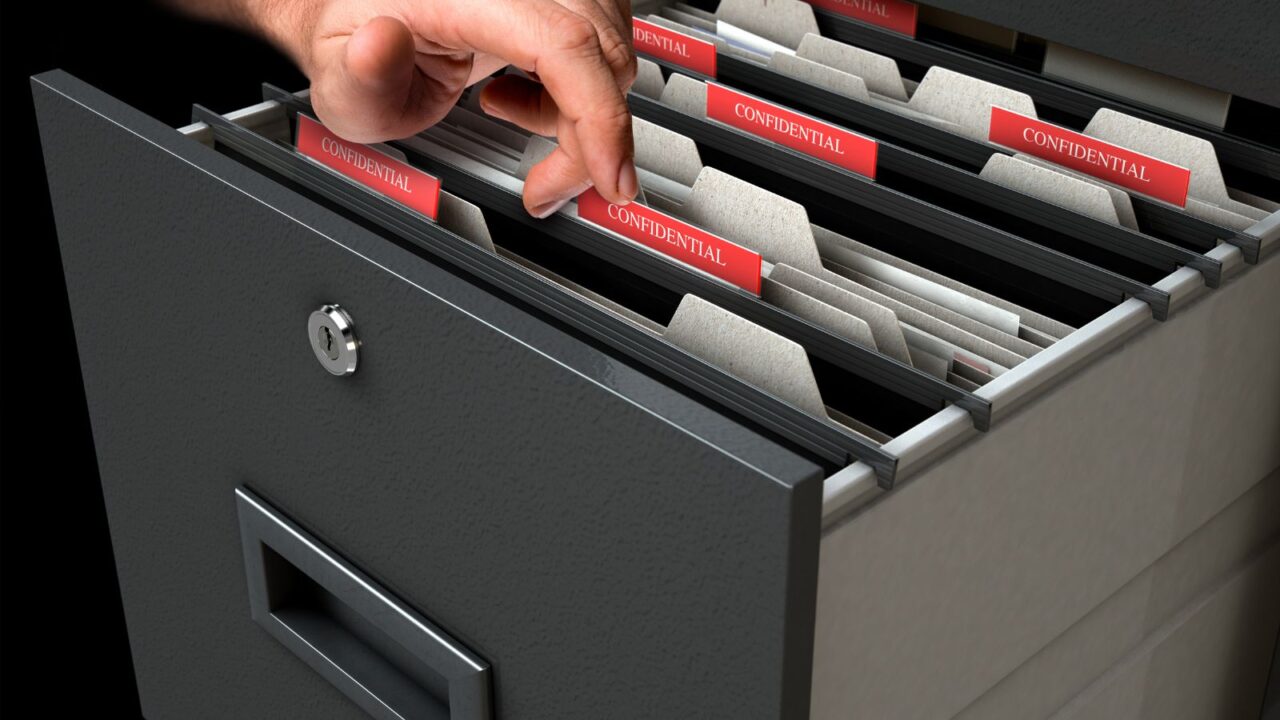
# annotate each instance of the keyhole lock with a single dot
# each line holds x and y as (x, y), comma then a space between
(326, 342)
(333, 339)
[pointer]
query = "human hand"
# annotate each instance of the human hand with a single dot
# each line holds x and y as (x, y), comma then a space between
(386, 69)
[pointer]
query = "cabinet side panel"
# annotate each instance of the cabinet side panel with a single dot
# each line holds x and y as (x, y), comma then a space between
(1005, 543)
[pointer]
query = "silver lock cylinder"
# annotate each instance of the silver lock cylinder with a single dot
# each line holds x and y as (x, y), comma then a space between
(333, 339)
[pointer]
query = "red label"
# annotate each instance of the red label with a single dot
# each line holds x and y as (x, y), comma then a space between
(683, 50)
(816, 138)
(394, 178)
(895, 15)
(709, 253)
(1126, 168)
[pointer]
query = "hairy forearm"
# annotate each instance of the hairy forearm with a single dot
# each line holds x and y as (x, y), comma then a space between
(287, 24)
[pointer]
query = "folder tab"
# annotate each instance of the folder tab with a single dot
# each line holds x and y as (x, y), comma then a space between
(896, 15)
(676, 239)
(466, 220)
(879, 72)
(674, 47)
(375, 169)
(824, 76)
(964, 103)
(1126, 168)
(805, 134)
(781, 21)
(1052, 185)
(649, 81)
(665, 152)
(747, 351)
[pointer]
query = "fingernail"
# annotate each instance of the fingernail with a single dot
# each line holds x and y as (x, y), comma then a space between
(628, 185)
(546, 209)
(490, 109)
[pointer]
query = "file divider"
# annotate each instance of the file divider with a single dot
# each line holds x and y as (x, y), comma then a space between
(1239, 156)
(867, 193)
(825, 441)
(939, 145)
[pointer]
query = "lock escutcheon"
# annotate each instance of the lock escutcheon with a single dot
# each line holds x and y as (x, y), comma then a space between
(333, 339)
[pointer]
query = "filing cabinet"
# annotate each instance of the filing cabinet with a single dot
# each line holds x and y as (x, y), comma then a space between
(578, 564)
(528, 501)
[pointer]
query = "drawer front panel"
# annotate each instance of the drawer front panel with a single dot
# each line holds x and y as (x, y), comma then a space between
(611, 546)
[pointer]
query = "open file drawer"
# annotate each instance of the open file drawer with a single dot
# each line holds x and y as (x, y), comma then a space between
(604, 541)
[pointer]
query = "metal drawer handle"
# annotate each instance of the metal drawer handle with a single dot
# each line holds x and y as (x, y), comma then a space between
(394, 663)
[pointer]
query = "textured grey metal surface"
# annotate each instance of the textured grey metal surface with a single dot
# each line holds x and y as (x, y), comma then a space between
(612, 547)
(1227, 46)
(1017, 537)
(1116, 627)
(1208, 661)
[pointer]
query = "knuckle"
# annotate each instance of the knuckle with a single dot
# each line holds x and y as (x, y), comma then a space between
(581, 7)
(618, 52)
(366, 127)
(615, 116)
(624, 62)
(572, 32)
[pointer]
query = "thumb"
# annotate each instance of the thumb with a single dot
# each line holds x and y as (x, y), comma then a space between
(369, 87)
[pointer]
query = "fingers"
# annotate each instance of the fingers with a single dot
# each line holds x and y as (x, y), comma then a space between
(373, 68)
(384, 78)
(560, 176)
(564, 49)
(612, 20)
(523, 102)
(593, 110)
(613, 29)
(369, 86)
(553, 182)
(483, 65)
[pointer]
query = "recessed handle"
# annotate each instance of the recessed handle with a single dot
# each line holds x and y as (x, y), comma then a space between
(381, 653)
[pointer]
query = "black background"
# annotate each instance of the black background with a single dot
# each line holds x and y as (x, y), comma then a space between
(63, 641)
